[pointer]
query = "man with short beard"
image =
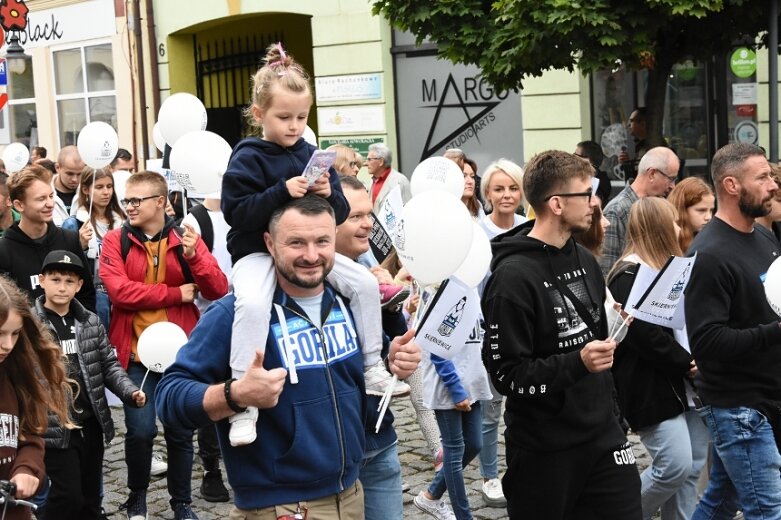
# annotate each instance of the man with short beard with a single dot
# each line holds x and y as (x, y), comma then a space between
(736, 339)
(306, 380)
(546, 348)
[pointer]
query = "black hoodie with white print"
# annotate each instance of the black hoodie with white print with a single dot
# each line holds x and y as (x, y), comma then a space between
(533, 339)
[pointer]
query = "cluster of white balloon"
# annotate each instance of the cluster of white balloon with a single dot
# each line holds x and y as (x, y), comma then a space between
(436, 237)
(198, 158)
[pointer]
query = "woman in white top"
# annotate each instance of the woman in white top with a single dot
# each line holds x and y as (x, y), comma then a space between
(97, 212)
(502, 192)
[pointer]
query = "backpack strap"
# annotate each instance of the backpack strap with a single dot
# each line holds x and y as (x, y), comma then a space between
(125, 243)
(201, 214)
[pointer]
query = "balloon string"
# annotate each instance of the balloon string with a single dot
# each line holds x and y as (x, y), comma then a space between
(141, 387)
(92, 193)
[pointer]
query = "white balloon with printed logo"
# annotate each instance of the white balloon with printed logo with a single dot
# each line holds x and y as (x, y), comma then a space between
(15, 156)
(180, 114)
(437, 173)
(98, 144)
(158, 345)
(478, 259)
(157, 137)
(772, 285)
(199, 160)
(433, 236)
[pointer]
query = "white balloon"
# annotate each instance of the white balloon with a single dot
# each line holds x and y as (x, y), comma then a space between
(158, 345)
(98, 144)
(478, 259)
(199, 160)
(15, 156)
(433, 236)
(437, 173)
(773, 286)
(309, 136)
(180, 114)
(157, 137)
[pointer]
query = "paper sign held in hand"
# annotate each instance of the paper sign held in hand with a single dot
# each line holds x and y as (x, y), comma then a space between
(318, 164)
(657, 297)
(449, 319)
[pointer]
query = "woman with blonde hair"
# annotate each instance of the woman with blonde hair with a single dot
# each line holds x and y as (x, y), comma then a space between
(653, 373)
(694, 201)
(344, 164)
(502, 190)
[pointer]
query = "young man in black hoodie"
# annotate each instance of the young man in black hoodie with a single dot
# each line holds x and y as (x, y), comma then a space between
(736, 339)
(25, 244)
(545, 349)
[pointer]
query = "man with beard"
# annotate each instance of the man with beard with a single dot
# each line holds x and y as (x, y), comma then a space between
(546, 348)
(307, 382)
(736, 339)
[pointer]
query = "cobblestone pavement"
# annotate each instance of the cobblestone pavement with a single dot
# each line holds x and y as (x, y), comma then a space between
(415, 461)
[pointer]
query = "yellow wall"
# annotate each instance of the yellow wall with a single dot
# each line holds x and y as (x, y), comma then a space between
(555, 112)
(331, 38)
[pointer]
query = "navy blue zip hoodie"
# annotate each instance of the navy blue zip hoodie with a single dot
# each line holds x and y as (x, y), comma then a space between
(310, 445)
(254, 186)
(533, 339)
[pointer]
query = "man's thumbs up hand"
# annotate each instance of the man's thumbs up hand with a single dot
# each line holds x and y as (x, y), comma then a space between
(260, 387)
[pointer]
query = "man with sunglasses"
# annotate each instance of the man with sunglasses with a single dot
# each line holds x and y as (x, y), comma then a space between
(153, 272)
(656, 177)
(546, 348)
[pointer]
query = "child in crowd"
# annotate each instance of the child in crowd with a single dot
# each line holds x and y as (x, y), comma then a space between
(32, 382)
(74, 457)
(454, 389)
(264, 174)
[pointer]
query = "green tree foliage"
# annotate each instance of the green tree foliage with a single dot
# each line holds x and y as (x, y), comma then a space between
(514, 39)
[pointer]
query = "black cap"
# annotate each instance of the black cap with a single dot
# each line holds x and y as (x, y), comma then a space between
(61, 260)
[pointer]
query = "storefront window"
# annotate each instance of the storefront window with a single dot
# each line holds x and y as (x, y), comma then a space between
(81, 98)
(685, 116)
(613, 100)
(22, 119)
(685, 125)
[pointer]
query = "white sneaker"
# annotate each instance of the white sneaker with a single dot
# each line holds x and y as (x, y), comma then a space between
(436, 508)
(492, 493)
(243, 429)
(378, 379)
(159, 466)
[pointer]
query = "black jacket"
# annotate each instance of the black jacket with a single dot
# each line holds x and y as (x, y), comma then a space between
(99, 368)
(21, 258)
(534, 335)
(649, 366)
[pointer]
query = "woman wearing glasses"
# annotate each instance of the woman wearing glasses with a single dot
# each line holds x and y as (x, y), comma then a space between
(345, 162)
(97, 212)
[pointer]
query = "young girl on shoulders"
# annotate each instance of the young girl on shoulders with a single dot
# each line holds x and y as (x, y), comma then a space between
(264, 174)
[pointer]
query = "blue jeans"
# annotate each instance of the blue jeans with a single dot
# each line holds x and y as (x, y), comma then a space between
(678, 447)
(492, 416)
(141, 431)
(462, 438)
(746, 466)
(380, 477)
(103, 305)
